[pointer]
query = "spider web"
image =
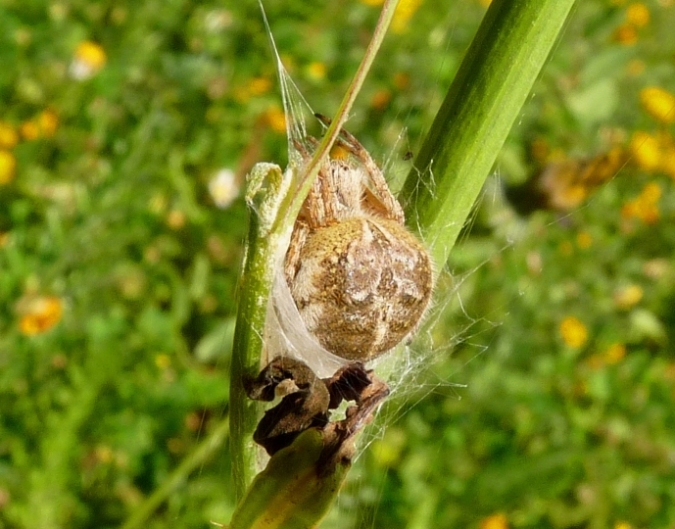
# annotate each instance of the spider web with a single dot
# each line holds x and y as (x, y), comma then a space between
(406, 369)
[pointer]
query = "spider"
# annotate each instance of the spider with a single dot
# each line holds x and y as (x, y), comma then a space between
(360, 279)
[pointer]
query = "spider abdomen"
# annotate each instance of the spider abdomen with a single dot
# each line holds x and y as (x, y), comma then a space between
(362, 285)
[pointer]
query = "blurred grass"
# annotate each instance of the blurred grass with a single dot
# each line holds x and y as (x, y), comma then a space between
(118, 272)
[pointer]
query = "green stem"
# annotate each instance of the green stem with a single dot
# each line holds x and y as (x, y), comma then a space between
(484, 100)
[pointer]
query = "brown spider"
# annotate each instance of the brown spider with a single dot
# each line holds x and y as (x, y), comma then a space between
(359, 278)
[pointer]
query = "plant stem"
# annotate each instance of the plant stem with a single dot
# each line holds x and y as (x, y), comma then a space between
(484, 100)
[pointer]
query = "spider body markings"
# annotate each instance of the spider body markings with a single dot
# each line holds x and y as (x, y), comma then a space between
(360, 279)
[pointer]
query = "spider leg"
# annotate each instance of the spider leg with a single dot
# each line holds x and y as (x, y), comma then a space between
(298, 237)
(322, 206)
(378, 190)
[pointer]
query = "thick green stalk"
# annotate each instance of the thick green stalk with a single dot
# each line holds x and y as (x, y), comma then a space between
(483, 102)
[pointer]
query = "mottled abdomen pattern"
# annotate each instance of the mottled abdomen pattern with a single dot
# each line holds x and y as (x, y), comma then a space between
(362, 286)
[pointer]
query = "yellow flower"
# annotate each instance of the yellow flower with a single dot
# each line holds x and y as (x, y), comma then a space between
(259, 86)
(573, 332)
(637, 14)
(659, 104)
(614, 353)
(276, 119)
(645, 150)
(176, 219)
(627, 297)
(44, 125)
(404, 12)
(7, 167)
(255, 87)
(8, 136)
(380, 99)
(496, 521)
(584, 240)
(622, 525)
(48, 122)
(626, 34)
(668, 162)
(316, 70)
(88, 60)
(40, 314)
(30, 130)
(645, 205)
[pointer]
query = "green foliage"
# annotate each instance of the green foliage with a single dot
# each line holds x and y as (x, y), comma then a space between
(112, 216)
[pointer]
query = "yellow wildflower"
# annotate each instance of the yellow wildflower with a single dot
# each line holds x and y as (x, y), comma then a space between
(637, 14)
(622, 525)
(496, 521)
(316, 70)
(404, 12)
(584, 240)
(668, 162)
(573, 332)
(259, 85)
(614, 353)
(645, 149)
(626, 34)
(88, 60)
(659, 103)
(255, 87)
(7, 167)
(8, 136)
(176, 219)
(380, 99)
(30, 130)
(40, 314)
(276, 119)
(48, 122)
(645, 205)
(627, 297)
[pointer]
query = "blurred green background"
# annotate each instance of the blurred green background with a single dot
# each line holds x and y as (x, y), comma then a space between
(126, 129)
